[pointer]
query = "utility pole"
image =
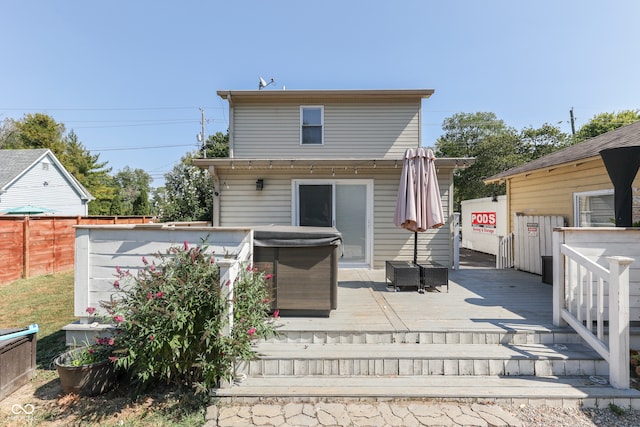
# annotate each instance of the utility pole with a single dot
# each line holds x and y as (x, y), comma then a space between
(573, 122)
(202, 138)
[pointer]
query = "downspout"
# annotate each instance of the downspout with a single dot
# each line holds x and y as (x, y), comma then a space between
(215, 220)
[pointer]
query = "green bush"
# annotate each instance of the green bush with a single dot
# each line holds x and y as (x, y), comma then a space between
(171, 317)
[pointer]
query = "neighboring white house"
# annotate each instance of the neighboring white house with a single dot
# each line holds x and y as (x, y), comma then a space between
(328, 158)
(35, 182)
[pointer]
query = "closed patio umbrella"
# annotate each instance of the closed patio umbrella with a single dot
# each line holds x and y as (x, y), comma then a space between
(418, 204)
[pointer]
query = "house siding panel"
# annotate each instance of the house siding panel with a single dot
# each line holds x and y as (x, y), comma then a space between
(351, 130)
(245, 206)
(551, 192)
(58, 194)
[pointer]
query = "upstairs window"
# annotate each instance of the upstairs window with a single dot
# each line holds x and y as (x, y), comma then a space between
(311, 125)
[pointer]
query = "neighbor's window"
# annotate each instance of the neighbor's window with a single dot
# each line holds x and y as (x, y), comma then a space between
(311, 124)
(594, 209)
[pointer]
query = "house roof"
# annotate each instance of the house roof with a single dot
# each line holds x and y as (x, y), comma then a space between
(14, 163)
(625, 136)
(354, 94)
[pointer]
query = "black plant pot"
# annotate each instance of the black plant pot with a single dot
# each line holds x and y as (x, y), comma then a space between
(86, 380)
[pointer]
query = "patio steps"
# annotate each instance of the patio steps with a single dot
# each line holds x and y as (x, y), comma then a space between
(511, 366)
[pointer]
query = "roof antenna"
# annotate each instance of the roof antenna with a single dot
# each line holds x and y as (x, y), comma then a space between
(262, 83)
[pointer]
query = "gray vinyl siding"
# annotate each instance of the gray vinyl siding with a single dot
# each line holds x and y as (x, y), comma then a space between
(394, 243)
(242, 205)
(354, 130)
(58, 194)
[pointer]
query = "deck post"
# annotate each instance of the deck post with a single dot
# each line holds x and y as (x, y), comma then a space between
(619, 321)
(558, 278)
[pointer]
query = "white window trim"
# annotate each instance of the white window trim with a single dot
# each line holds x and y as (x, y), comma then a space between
(576, 203)
(321, 107)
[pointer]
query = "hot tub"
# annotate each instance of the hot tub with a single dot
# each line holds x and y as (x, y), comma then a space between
(17, 358)
(304, 264)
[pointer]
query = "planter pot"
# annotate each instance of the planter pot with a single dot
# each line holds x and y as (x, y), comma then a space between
(86, 380)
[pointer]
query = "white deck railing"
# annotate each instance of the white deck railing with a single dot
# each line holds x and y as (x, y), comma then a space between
(504, 259)
(580, 285)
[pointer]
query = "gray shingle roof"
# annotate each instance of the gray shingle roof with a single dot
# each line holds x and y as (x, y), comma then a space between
(625, 136)
(14, 162)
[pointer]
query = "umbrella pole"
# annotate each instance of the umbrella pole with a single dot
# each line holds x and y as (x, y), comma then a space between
(415, 247)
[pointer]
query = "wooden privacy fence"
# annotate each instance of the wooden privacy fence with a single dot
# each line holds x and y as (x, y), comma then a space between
(35, 245)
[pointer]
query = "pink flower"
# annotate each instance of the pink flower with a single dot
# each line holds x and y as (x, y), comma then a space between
(144, 261)
(276, 313)
(251, 331)
(186, 246)
(249, 268)
(90, 310)
(268, 276)
(228, 283)
(91, 350)
(153, 267)
(149, 295)
(118, 270)
(151, 338)
(118, 319)
(266, 300)
(116, 284)
(159, 294)
(113, 358)
(111, 341)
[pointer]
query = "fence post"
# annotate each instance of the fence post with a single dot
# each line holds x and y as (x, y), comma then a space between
(229, 270)
(619, 321)
(558, 278)
(25, 247)
(456, 241)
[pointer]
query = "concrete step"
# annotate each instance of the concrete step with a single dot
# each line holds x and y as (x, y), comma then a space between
(564, 391)
(495, 336)
(295, 359)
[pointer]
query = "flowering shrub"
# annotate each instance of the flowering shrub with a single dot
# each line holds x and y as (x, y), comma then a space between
(172, 315)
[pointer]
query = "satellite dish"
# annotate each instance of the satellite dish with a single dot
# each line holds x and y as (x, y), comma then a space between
(262, 83)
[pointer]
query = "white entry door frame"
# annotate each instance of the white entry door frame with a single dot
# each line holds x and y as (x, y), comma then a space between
(346, 204)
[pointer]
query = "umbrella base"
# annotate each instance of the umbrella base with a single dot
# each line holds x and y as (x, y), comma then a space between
(403, 275)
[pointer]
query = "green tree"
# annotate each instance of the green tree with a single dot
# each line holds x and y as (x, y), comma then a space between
(90, 172)
(141, 203)
(39, 131)
(131, 183)
(605, 122)
(217, 145)
(116, 205)
(495, 147)
(187, 194)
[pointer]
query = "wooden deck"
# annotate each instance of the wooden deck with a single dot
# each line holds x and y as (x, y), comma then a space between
(490, 338)
(478, 300)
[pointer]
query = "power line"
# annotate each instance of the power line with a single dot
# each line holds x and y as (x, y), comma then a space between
(141, 148)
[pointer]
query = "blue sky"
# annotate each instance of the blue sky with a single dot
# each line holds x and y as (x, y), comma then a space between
(129, 77)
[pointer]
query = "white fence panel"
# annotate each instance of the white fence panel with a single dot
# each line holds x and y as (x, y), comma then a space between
(533, 240)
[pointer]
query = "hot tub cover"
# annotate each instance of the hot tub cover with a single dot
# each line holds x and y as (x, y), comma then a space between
(284, 236)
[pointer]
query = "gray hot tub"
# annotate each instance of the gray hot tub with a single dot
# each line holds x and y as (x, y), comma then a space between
(304, 264)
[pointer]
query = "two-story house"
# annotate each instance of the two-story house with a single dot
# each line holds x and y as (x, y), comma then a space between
(327, 158)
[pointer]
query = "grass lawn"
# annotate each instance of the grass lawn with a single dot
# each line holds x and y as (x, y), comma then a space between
(48, 301)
